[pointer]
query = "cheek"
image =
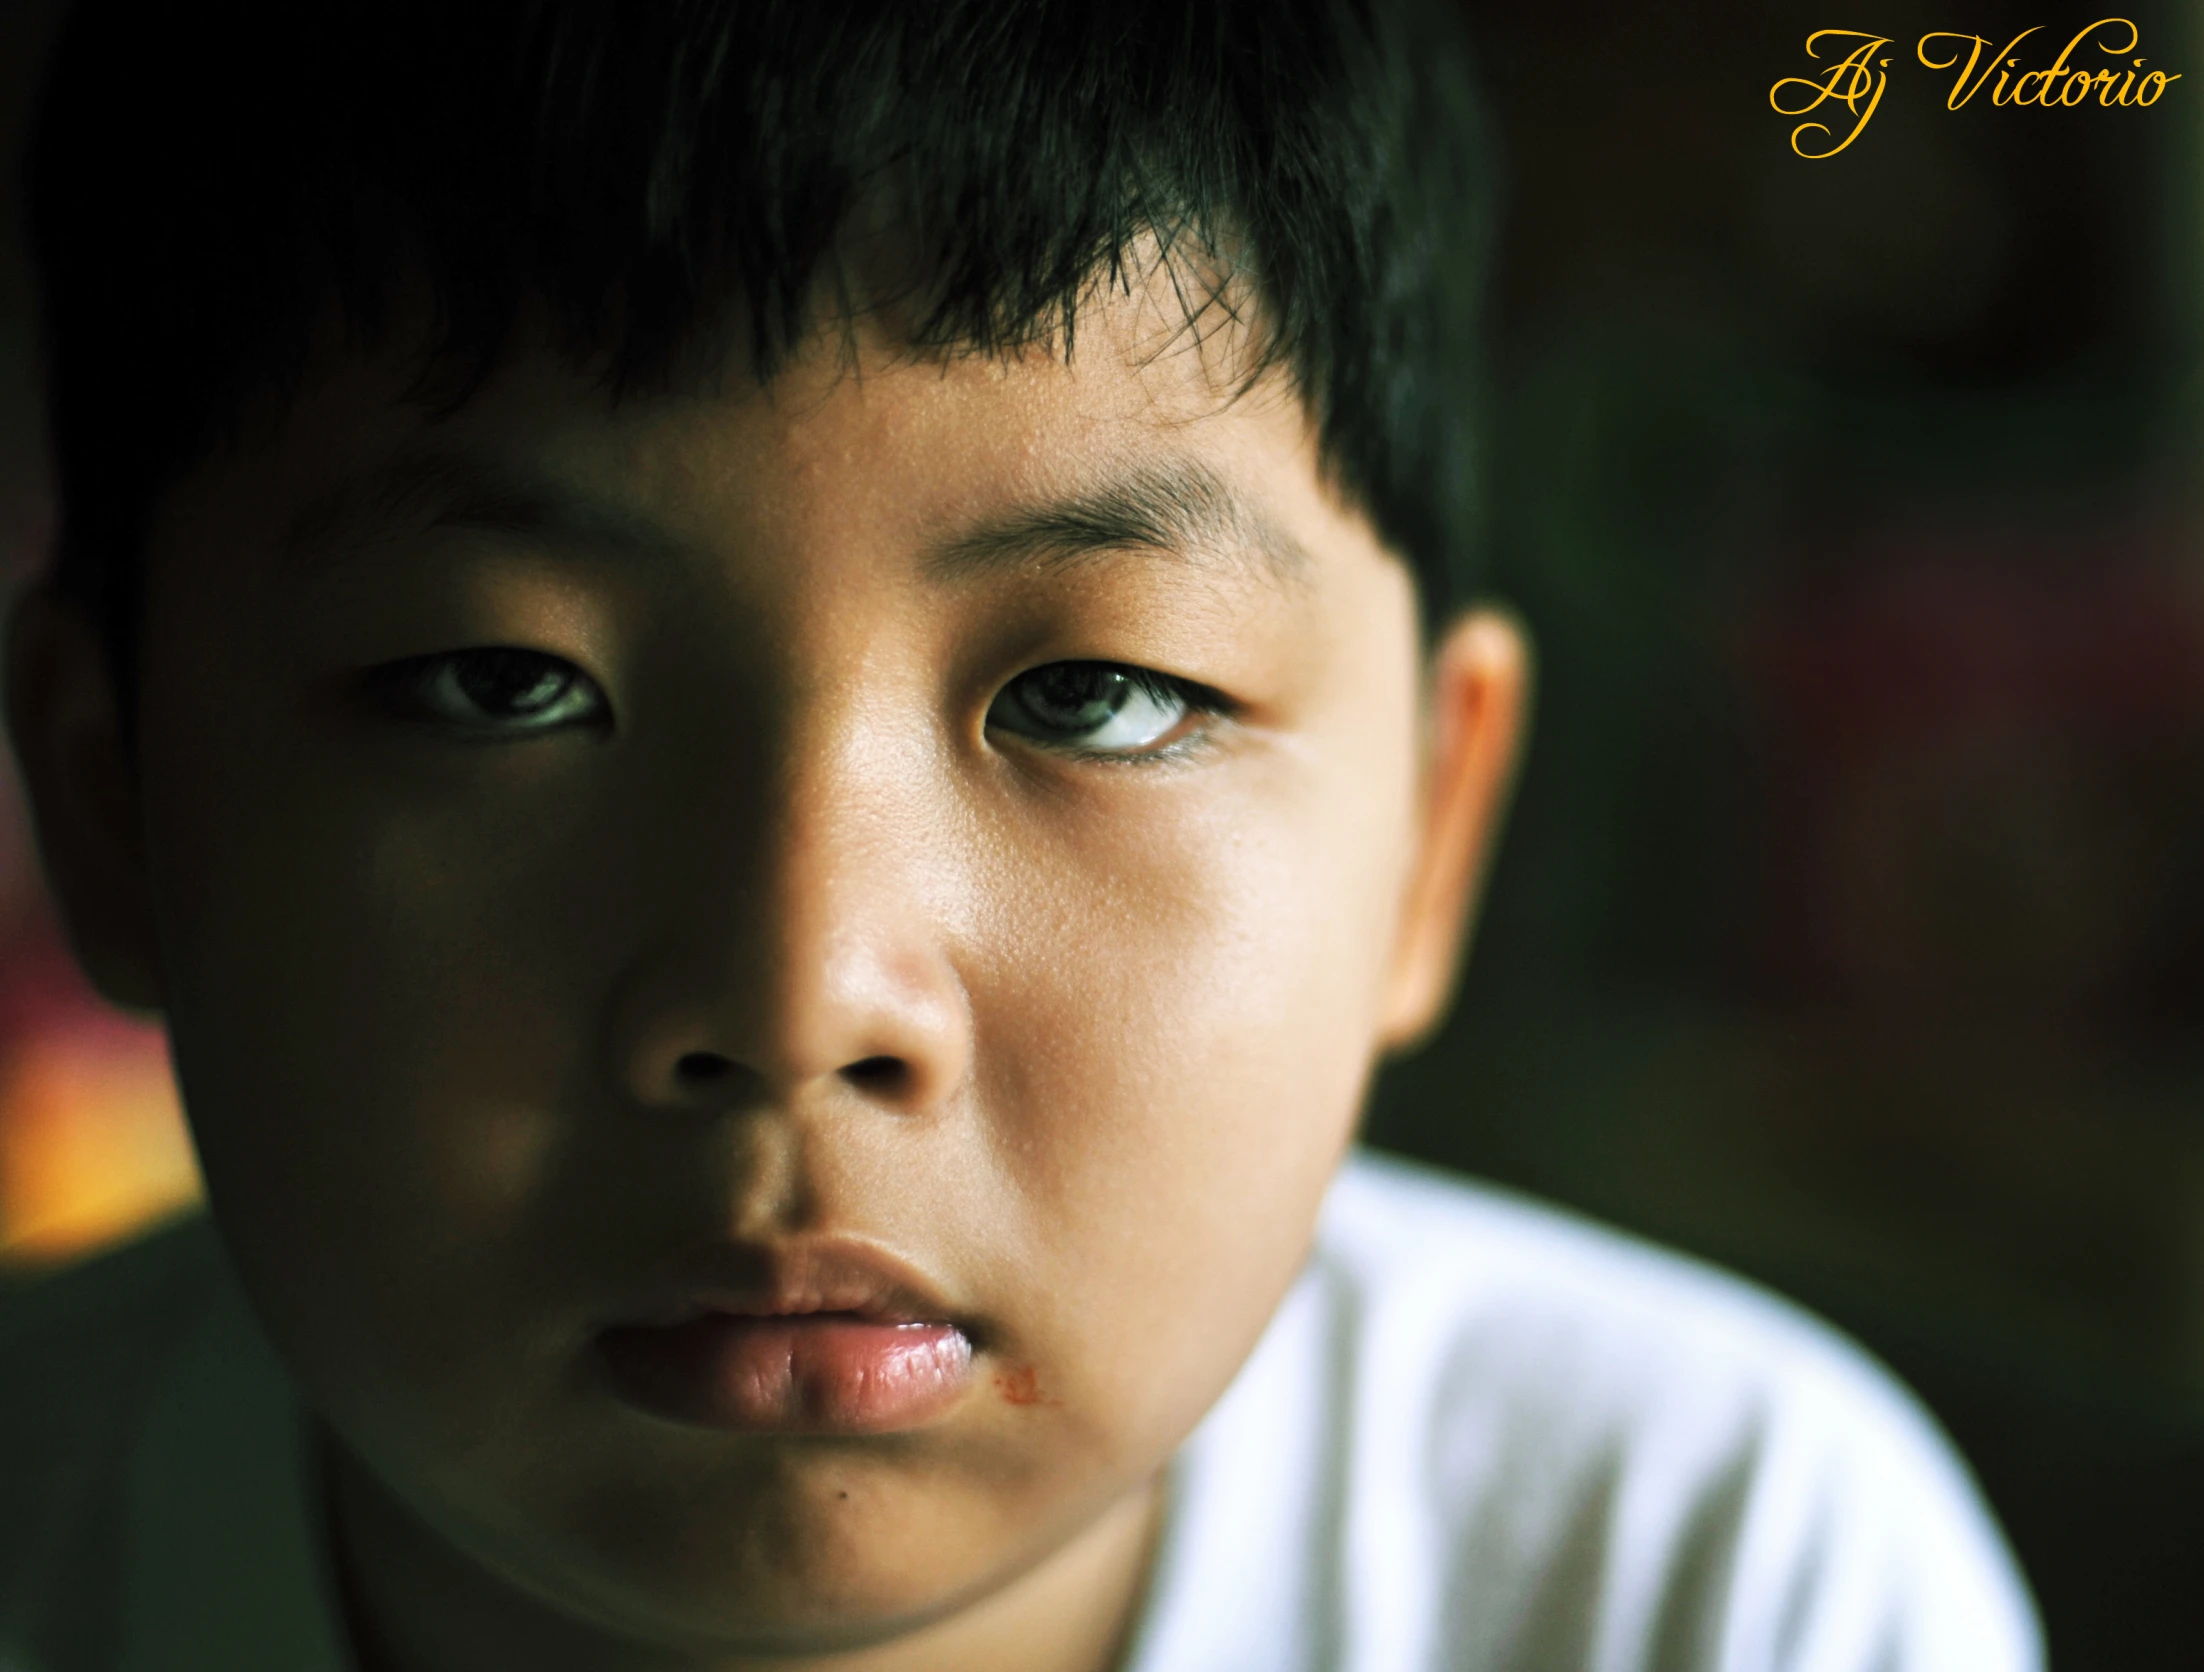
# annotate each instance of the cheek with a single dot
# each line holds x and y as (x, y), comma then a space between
(1173, 1050)
(379, 1031)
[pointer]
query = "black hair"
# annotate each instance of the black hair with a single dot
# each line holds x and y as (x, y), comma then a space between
(206, 179)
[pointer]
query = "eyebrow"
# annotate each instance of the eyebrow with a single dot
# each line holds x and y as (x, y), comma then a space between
(422, 489)
(1181, 509)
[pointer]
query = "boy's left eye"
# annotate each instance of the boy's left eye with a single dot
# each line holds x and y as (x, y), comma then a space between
(494, 690)
(1099, 708)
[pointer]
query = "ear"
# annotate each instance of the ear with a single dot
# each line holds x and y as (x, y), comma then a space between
(1479, 697)
(82, 788)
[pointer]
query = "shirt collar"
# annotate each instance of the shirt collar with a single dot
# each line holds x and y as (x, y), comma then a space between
(223, 1559)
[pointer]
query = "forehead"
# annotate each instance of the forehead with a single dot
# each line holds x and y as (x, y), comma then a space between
(1148, 434)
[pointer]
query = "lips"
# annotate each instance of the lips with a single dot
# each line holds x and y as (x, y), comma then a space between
(818, 1338)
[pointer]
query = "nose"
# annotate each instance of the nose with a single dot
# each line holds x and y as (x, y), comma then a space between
(806, 948)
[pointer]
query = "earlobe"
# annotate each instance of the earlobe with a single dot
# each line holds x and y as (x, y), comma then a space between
(78, 777)
(1479, 695)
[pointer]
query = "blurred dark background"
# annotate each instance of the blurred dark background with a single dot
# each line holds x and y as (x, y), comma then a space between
(1851, 926)
(1850, 929)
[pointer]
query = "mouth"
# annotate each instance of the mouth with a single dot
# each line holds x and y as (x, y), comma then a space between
(820, 1338)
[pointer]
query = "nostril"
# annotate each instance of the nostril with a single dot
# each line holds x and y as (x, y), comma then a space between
(708, 1072)
(703, 1068)
(882, 1076)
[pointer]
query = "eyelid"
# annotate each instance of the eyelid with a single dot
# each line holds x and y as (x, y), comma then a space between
(1197, 741)
(396, 688)
(1199, 700)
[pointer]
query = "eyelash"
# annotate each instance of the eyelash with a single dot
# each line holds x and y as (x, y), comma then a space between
(401, 689)
(1201, 700)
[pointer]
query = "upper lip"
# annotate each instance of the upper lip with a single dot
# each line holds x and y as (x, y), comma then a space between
(790, 1279)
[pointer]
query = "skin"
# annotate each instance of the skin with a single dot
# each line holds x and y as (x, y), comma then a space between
(1080, 1038)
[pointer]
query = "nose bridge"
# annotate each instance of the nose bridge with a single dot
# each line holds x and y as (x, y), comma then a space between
(821, 948)
(840, 855)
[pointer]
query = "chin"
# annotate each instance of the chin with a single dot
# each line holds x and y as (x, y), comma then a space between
(813, 1553)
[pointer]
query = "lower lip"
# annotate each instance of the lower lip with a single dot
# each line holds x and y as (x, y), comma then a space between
(825, 1372)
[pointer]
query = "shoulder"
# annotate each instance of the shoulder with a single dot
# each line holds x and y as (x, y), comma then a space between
(145, 1274)
(1481, 1261)
(1531, 1292)
(83, 1351)
(1730, 1472)
(73, 1341)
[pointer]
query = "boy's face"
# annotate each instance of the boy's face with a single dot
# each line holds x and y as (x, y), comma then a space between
(789, 928)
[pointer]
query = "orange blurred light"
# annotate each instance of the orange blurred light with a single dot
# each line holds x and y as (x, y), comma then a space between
(93, 1146)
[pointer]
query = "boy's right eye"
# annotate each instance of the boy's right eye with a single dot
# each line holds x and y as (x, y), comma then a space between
(496, 691)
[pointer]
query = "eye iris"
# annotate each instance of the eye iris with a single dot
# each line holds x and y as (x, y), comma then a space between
(511, 682)
(1076, 696)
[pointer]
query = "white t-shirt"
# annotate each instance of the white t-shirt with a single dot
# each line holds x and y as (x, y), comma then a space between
(1480, 1435)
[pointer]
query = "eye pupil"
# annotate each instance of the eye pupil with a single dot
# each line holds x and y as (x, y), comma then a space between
(1105, 709)
(511, 682)
(1078, 696)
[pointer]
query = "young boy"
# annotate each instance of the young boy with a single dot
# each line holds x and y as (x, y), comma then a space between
(775, 696)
